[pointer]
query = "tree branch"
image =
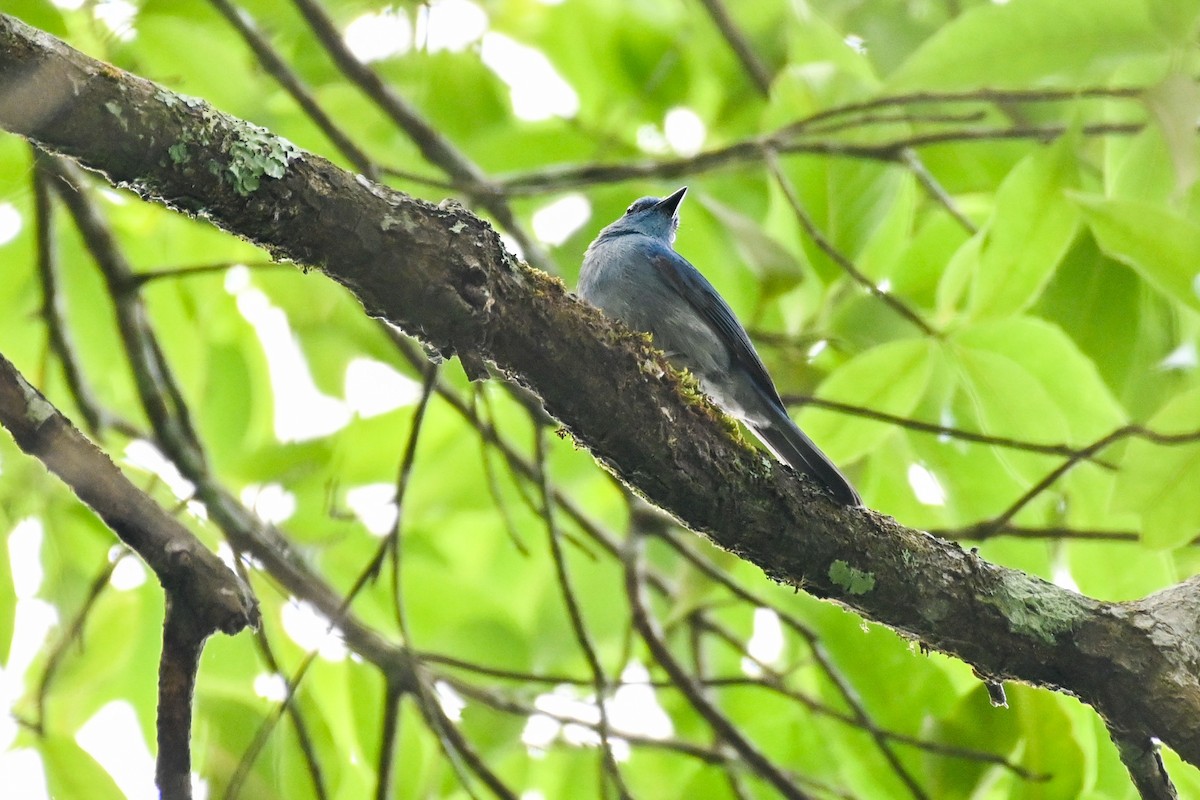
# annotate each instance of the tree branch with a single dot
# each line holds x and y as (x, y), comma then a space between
(443, 275)
(203, 596)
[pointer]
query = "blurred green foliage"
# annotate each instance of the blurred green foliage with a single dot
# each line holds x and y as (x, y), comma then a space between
(1065, 301)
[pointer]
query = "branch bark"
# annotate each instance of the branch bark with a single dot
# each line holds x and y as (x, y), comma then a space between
(214, 596)
(442, 274)
(203, 595)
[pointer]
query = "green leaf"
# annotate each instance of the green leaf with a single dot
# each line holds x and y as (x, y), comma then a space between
(1049, 743)
(1175, 103)
(1136, 573)
(1030, 231)
(973, 723)
(1006, 397)
(777, 269)
(889, 379)
(1068, 377)
(1140, 168)
(895, 231)
(1159, 244)
(848, 200)
(1175, 19)
(39, 14)
(72, 772)
(1159, 481)
(1020, 43)
(956, 278)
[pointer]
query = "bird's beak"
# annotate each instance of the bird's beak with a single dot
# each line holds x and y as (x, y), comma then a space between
(668, 205)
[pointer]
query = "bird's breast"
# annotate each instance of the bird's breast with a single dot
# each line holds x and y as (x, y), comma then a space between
(619, 278)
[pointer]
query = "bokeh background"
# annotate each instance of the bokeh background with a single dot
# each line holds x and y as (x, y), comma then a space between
(963, 234)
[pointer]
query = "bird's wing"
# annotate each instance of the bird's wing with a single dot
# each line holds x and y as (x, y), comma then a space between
(693, 287)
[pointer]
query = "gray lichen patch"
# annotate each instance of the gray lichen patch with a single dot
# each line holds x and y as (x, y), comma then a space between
(115, 109)
(179, 154)
(238, 152)
(851, 579)
(37, 408)
(255, 152)
(1036, 609)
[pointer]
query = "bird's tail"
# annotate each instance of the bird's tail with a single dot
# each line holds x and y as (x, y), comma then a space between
(796, 450)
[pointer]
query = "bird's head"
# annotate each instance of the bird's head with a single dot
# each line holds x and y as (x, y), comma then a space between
(656, 217)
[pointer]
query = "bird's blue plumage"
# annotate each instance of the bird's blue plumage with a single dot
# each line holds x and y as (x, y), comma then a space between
(631, 272)
(701, 296)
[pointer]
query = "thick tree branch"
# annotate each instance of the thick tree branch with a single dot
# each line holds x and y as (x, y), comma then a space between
(216, 598)
(203, 595)
(178, 664)
(443, 275)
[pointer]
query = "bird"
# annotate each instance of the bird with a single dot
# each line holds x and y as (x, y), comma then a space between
(631, 272)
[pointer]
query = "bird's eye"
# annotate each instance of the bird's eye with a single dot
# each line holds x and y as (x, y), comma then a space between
(641, 205)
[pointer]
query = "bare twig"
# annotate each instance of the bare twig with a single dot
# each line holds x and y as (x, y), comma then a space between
(304, 738)
(392, 540)
(838, 257)
(71, 637)
(648, 628)
(295, 86)
(1009, 443)
(740, 45)
(984, 95)
(435, 147)
(458, 750)
(53, 309)
(140, 279)
(936, 190)
(985, 529)
(975, 533)
(751, 151)
(575, 614)
(906, 118)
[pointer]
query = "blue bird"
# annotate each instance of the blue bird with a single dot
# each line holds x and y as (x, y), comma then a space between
(632, 273)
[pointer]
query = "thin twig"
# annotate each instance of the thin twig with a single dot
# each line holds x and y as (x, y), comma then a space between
(575, 614)
(740, 45)
(1049, 532)
(518, 708)
(648, 628)
(517, 463)
(751, 151)
(53, 309)
(986, 529)
(859, 714)
(461, 755)
(996, 96)
(824, 661)
(936, 190)
(307, 747)
(1064, 450)
(905, 118)
(140, 279)
(70, 638)
(295, 86)
(392, 540)
(838, 257)
(434, 146)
